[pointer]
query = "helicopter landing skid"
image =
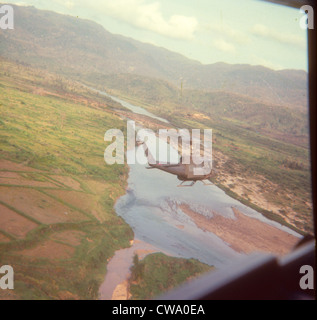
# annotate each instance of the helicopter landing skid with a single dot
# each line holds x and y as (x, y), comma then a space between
(186, 185)
(206, 183)
(193, 182)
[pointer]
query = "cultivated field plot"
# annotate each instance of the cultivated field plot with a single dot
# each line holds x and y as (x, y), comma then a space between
(57, 223)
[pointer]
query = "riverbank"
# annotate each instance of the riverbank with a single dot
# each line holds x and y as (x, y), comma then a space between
(216, 240)
(115, 285)
(247, 190)
(243, 233)
(278, 186)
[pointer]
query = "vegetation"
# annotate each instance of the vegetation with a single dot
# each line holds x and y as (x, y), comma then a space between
(59, 193)
(56, 187)
(157, 273)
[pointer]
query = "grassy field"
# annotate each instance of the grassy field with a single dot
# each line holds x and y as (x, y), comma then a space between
(57, 223)
(157, 273)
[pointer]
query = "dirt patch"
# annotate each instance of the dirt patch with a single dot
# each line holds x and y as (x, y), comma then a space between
(3, 238)
(8, 295)
(97, 186)
(87, 202)
(25, 182)
(15, 224)
(12, 166)
(251, 188)
(39, 206)
(9, 175)
(121, 292)
(21, 179)
(49, 250)
(200, 116)
(67, 181)
(245, 234)
(70, 237)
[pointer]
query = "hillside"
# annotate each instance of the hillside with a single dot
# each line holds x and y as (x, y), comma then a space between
(163, 98)
(75, 47)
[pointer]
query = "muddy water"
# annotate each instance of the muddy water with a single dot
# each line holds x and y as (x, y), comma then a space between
(118, 268)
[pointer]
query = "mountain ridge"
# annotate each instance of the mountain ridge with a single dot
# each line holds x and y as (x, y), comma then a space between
(73, 46)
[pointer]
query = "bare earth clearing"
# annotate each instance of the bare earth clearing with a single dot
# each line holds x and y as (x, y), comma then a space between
(244, 234)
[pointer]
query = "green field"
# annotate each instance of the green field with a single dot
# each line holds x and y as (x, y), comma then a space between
(158, 273)
(55, 185)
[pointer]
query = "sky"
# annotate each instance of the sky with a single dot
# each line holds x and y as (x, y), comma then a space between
(236, 32)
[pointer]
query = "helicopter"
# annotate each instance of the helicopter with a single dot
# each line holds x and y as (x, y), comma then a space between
(184, 172)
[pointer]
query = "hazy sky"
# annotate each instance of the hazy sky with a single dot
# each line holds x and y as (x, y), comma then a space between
(244, 31)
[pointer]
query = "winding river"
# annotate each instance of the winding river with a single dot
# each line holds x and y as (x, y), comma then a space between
(151, 207)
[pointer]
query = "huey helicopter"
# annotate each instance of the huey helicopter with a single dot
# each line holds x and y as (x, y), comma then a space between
(184, 172)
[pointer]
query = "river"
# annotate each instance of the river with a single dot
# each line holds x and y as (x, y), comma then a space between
(151, 207)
